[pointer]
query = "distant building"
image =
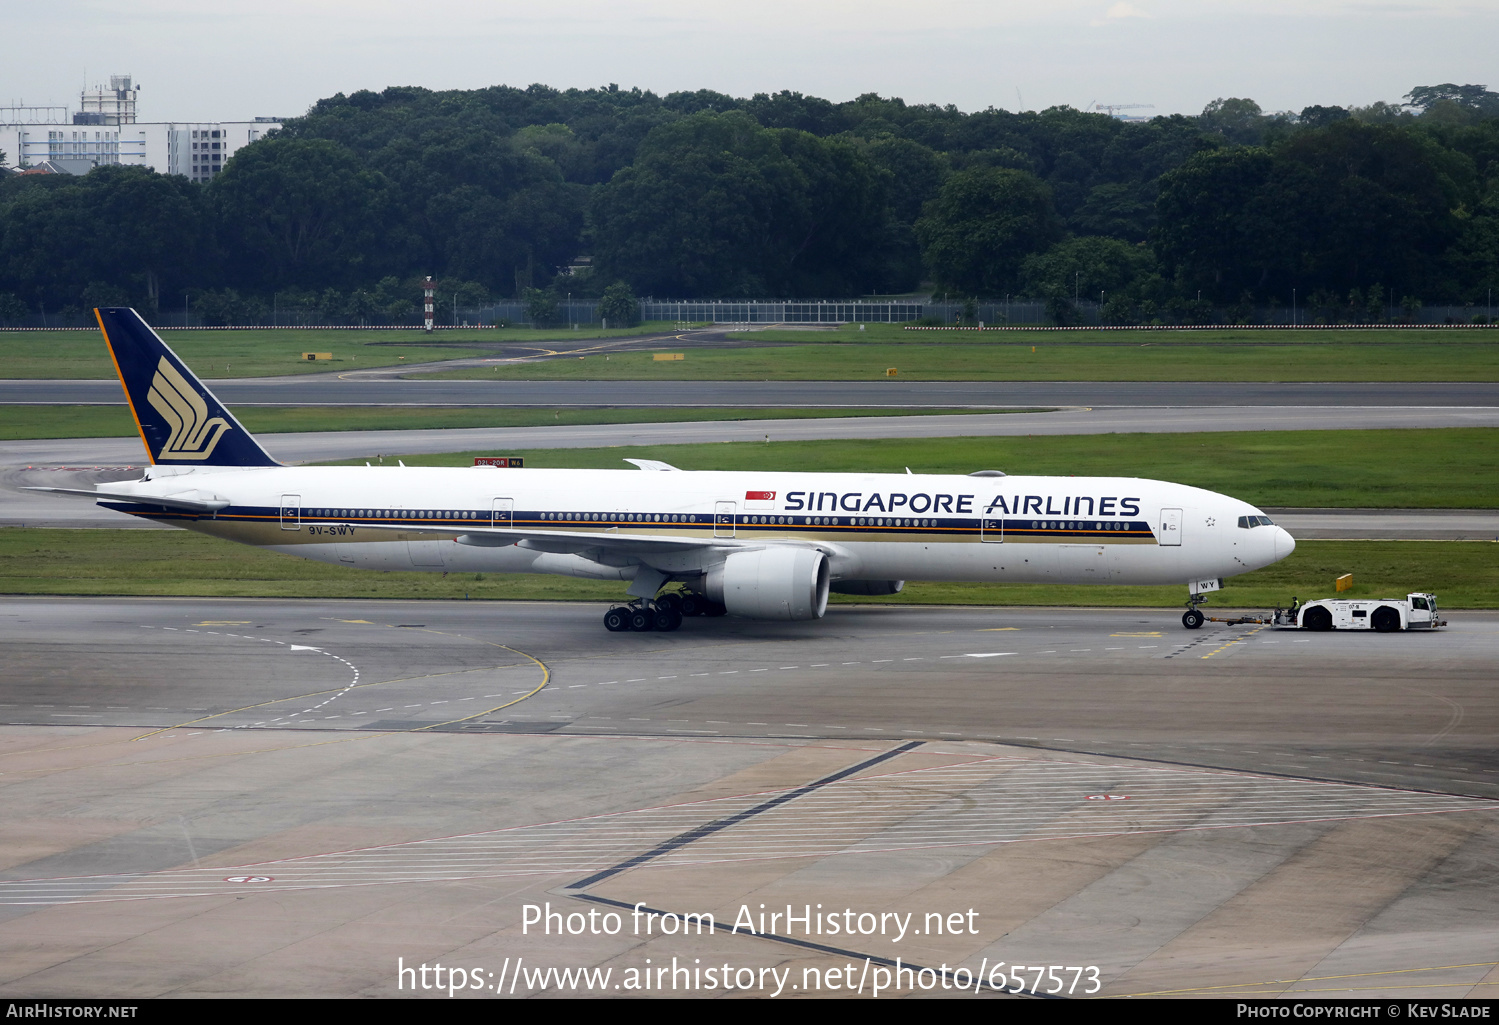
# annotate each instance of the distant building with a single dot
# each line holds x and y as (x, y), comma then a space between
(199, 151)
(112, 106)
(45, 167)
(105, 132)
(77, 148)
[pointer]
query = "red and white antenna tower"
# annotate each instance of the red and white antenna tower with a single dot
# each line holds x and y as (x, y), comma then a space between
(429, 289)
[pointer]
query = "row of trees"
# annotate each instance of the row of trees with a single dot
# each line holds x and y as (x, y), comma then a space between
(700, 194)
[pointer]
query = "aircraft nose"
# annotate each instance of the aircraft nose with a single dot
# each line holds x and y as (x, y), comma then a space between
(1285, 544)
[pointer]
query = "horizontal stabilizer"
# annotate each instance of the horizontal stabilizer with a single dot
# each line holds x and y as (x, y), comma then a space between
(170, 501)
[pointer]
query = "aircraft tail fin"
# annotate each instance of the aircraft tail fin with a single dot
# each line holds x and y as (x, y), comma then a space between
(180, 421)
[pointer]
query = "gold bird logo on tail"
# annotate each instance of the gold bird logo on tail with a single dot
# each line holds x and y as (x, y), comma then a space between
(194, 435)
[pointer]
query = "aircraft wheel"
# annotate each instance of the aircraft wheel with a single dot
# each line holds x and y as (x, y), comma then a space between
(1385, 620)
(671, 601)
(617, 620)
(1316, 619)
(1192, 619)
(667, 620)
(642, 619)
(694, 605)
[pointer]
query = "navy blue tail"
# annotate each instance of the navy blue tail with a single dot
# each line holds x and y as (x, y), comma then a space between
(180, 421)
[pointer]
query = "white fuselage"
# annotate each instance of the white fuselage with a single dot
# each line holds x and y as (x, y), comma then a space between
(1116, 530)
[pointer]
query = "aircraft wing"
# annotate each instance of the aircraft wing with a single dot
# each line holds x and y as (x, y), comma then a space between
(563, 542)
(186, 500)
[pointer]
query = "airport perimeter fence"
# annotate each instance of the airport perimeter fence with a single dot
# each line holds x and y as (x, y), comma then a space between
(789, 312)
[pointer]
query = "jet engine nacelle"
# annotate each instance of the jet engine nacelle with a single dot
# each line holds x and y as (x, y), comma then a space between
(772, 583)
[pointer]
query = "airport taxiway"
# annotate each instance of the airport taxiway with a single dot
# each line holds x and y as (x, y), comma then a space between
(382, 388)
(284, 797)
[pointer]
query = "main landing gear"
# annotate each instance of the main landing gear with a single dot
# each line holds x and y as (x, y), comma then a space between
(641, 616)
(664, 613)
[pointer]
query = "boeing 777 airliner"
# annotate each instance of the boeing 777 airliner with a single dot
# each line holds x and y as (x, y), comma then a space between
(765, 544)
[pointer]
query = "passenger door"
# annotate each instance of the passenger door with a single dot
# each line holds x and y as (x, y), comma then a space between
(723, 519)
(991, 527)
(1170, 532)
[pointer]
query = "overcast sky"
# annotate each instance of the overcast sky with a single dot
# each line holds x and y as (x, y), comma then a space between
(221, 60)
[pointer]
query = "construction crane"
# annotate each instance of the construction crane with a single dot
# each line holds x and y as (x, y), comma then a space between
(1112, 107)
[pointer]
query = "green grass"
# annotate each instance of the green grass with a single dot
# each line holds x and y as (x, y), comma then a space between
(902, 334)
(1226, 355)
(1444, 468)
(180, 563)
(82, 354)
(114, 421)
(843, 354)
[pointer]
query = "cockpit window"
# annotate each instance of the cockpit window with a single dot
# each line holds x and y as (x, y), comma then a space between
(1247, 522)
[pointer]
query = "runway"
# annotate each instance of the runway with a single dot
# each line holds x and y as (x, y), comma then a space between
(377, 388)
(282, 798)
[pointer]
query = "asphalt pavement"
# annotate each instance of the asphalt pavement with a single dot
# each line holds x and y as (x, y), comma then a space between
(296, 798)
(357, 390)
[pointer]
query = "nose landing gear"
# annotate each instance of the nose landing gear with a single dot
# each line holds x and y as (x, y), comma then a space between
(1193, 618)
